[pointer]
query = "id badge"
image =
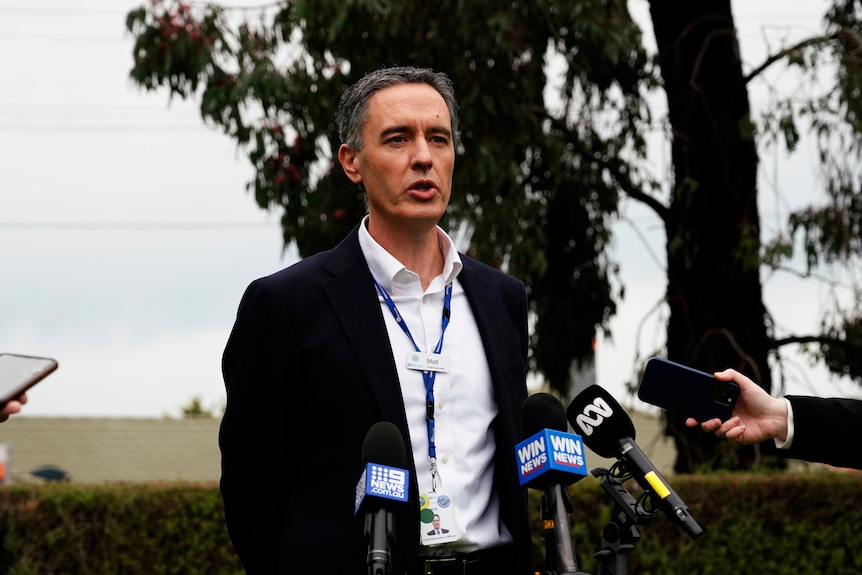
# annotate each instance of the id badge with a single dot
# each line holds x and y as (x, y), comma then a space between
(419, 361)
(437, 522)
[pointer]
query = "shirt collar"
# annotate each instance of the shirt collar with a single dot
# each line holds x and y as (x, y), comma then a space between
(392, 274)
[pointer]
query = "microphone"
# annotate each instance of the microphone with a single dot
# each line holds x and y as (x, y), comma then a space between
(550, 454)
(383, 481)
(552, 459)
(608, 430)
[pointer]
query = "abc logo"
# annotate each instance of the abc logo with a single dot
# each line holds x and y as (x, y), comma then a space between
(593, 415)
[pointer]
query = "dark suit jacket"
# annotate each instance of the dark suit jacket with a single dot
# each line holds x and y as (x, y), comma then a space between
(824, 430)
(308, 370)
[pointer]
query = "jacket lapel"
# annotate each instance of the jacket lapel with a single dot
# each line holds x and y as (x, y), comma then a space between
(491, 316)
(353, 297)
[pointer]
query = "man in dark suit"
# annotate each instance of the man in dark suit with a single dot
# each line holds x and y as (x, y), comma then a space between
(808, 428)
(325, 348)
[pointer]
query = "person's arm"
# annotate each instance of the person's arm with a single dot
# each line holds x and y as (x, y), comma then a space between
(824, 430)
(756, 417)
(253, 434)
(12, 407)
(807, 428)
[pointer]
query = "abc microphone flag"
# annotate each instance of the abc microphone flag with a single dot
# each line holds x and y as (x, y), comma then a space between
(608, 430)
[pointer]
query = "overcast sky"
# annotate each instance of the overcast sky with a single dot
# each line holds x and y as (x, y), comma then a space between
(127, 236)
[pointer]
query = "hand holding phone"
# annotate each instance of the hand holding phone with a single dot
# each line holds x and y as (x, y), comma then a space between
(687, 391)
(18, 373)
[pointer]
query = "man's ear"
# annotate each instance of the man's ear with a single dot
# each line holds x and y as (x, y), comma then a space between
(349, 160)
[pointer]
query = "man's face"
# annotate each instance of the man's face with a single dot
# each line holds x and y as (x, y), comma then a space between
(436, 522)
(408, 156)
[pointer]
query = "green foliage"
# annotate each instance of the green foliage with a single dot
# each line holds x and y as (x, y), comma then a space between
(841, 352)
(780, 524)
(793, 524)
(119, 529)
(830, 104)
(173, 47)
(195, 409)
(536, 185)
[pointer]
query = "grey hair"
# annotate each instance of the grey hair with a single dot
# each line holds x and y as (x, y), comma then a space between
(353, 107)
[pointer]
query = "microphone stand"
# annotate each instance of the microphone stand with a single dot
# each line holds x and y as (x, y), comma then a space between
(619, 535)
(378, 527)
(557, 530)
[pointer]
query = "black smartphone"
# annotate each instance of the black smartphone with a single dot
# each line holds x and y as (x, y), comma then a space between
(18, 373)
(687, 391)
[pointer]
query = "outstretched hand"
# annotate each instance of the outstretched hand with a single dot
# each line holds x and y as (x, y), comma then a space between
(756, 417)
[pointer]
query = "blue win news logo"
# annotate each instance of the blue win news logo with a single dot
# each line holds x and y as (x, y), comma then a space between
(550, 450)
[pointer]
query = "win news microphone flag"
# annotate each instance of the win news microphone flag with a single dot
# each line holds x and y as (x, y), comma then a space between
(381, 487)
(608, 430)
(550, 453)
(551, 459)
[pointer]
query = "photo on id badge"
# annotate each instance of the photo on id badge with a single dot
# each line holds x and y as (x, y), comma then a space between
(438, 524)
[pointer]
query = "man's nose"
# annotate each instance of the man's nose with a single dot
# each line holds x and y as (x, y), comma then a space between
(421, 154)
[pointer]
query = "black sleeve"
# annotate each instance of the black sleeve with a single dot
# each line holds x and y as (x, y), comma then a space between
(253, 433)
(824, 430)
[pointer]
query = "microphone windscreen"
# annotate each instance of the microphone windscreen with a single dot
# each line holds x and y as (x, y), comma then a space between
(600, 420)
(542, 411)
(384, 445)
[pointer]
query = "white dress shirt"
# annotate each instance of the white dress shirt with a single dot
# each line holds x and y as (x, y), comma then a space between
(464, 405)
(788, 441)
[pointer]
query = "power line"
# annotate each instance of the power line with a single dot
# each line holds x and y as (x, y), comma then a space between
(15, 127)
(59, 11)
(138, 226)
(47, 37)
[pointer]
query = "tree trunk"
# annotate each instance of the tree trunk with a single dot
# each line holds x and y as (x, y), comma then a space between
(717, 317)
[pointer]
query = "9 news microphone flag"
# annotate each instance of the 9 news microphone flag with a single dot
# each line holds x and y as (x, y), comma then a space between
(382, 485)
(608, 430)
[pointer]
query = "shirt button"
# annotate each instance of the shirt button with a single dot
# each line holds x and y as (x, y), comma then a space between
(424, 299)
(445, 459)
(440, 405)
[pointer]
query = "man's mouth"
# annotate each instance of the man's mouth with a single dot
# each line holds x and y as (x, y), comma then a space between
(423, 186)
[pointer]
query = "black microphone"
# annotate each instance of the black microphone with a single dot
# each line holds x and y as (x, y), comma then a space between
(383, 482)
(608, 430)
(559, 463)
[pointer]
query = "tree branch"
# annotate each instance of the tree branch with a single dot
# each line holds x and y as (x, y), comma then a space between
(776, 343)
(814, 41)
(613, 165)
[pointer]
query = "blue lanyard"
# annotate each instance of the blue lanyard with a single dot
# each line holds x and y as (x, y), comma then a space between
(428, 377)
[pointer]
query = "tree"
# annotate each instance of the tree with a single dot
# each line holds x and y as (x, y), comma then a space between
(553, 117)
(534, 188)
(714, 254)
(194, 409)
(717, 316)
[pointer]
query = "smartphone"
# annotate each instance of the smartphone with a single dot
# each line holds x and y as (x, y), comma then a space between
(687, 391)
(18, 373)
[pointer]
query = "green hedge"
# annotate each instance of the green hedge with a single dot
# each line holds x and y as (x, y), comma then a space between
(794, 524)
(67, 529)
(798, 524)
